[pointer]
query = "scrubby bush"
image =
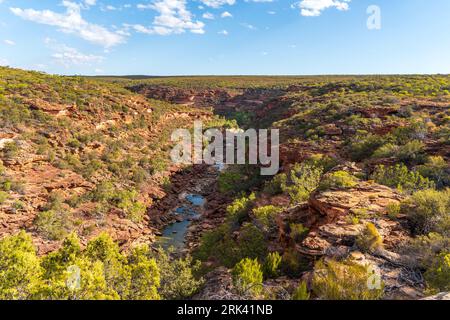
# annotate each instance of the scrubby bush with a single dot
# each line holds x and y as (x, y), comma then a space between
(228, 181)
(3, 197)
(417, 130)
(178, 279)
(293, 264)
(266, 216)
(322, 161)
(344, 280)
(412, 152)
(103, 249)
(393, 210)
(54, 225)
(400, 177)
(251, 242)
(69, 275)
(298, 231)
(438, 275)
(272, 265)
(228, 250)
(338, 180)
(239, 208)
(10, 150)
(127, 201)
(302, 180)
(421, 251)
(274, 186)
(370, 239)
(144, 275)
(428, 211)
(248, 277)
(20, 271)
(301, 292)
(436, 169)
(363, 146)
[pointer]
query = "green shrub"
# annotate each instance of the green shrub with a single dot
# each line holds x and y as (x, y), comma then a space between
(20, 271)
(400, 177)
(274, 186)
(386, 151)
(421, 251)
(393, 210)
(237, 211)
(428, 211)
(302, 180)
(10, 150)
(436, 169)
(344, 280)
(301, 292)
(2, 168)
(370, 239)
(248, 277)
(417, 130)
(412, 152)
(127, 201)
(221, 244)
(298, 232)
(438, 275)
(266, 216)
(54, 225)
(363, 146)
(338, 180)
(177, 276)
(251, 242)
(104, 191)
(322, 161)
(3, 197)
(228, 181)
(272, 265)
(293, 264)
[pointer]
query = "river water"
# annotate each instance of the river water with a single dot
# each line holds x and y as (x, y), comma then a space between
(174, 235)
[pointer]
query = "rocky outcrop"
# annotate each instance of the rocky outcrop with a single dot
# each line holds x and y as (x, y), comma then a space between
(370, 197)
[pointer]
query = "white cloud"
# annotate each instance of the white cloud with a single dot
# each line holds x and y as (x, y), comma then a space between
(248, 26)
(109, 8)
(173, 18)
(3, 62)
(223, 32)
(218, 3)
(90, 2)
(313, 8)
(9, 42)
(73, 23)
(226, 14)
(208, 15)
(271, 12)
(68, 56)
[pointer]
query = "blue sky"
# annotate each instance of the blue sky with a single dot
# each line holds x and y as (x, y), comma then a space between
(189, 37)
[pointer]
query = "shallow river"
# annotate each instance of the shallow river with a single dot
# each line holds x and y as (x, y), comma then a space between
(174, 235)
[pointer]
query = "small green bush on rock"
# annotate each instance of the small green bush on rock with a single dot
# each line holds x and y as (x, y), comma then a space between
(338, 180)
(248, 277)
(344, 280)
(370, 239)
